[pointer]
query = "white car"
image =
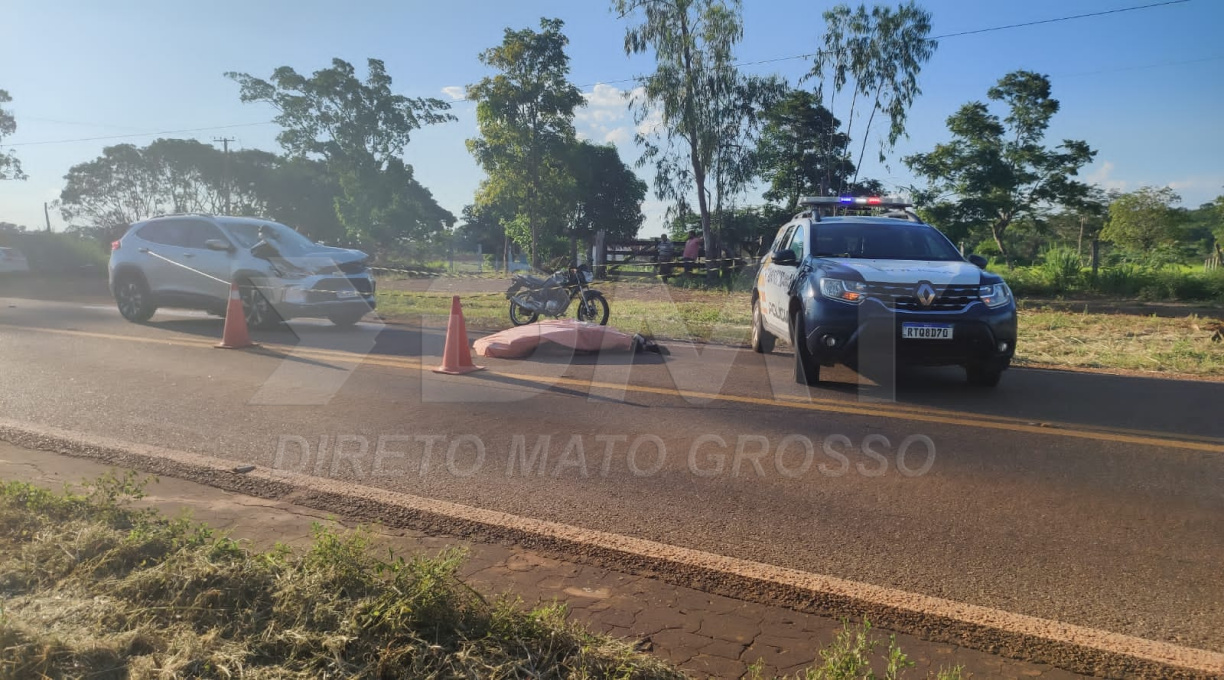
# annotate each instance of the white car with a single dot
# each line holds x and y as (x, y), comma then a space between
(11, 260)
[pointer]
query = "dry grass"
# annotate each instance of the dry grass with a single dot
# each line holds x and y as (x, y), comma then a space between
(1188, 345)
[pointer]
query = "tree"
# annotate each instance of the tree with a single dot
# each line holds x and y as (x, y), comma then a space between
(791, 165)
(526, 118)
(997, 172)
(706, 110)
(10, 166)
(1145, 224)
(360, 128)
(878, 55)
(128, 184)
(608, 195)
(113, 191)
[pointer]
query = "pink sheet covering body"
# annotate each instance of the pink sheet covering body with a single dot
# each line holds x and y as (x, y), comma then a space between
(521, 341)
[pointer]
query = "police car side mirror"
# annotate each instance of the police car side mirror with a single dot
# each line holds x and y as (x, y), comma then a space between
(978, 260)
(785, 256)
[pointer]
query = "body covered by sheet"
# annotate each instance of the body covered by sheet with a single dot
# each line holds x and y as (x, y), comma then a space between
(521, 341)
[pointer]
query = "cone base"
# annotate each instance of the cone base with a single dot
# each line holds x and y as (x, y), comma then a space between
(225, 346)
(458, 370)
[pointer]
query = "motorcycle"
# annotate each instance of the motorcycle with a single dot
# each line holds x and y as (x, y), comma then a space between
(552, 296)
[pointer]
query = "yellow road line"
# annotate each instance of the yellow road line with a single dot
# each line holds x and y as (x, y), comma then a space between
(902, 412)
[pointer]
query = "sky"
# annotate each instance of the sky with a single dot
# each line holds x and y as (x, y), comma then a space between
(1143, 88)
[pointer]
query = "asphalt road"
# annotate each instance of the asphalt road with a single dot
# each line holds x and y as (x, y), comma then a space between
(1090, 499)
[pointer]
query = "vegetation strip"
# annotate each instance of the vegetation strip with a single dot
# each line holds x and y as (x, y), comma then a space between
(1069, 646)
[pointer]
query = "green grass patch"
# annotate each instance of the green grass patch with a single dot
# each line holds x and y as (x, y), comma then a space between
(94, 588)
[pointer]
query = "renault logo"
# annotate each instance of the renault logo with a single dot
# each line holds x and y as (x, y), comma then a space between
(925, 294)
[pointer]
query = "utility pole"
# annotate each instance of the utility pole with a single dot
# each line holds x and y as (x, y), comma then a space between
(225, 178)
(47, 216)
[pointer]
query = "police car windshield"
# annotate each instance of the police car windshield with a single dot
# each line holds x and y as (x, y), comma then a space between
(902, 241)
(286, 240)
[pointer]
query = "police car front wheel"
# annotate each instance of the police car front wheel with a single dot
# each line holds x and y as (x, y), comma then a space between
(807, 369)
(762, 341)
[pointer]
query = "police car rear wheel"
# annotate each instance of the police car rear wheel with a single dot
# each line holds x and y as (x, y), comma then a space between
(807, 370)
(762, 341)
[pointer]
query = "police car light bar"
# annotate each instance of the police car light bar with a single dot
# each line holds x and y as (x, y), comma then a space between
(873, 201)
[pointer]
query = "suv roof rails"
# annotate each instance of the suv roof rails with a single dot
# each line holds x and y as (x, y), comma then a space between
(182, 214)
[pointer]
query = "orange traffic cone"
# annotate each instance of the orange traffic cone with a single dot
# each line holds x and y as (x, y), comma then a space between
(457, 357)
(235, 335)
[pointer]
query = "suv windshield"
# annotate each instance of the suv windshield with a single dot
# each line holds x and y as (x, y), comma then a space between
(881, 242)
(286, 240)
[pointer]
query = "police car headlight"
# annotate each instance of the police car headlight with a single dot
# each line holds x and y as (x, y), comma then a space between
(847, 291)
(995, 295)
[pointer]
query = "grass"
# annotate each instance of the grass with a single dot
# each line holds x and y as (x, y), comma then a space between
(1121, 341)
(654, 310)
(93, 588)
(1053, 335)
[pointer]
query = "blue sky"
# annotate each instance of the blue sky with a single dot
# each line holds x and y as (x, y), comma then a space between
(1143, 88)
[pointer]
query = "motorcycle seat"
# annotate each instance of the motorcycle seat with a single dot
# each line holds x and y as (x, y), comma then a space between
(530, 280)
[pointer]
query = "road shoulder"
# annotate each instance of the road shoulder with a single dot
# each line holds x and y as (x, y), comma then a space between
(704, 634)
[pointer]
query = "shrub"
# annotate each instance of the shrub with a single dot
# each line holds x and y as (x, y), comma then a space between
(1062, 267)
(56, 252)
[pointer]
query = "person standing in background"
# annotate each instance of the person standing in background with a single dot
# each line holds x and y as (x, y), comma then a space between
(692, 250)
(667, 254)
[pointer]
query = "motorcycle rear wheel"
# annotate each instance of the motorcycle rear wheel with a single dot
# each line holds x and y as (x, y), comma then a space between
(520, 315)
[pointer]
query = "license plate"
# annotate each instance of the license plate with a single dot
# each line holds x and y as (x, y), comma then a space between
(347, 294)
(926, 331)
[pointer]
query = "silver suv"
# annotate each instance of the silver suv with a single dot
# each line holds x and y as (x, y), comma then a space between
(189, 261)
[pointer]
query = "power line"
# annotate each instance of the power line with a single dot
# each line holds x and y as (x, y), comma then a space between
(1067, 18)
(958, 34)
(141, 134)
(758, 62)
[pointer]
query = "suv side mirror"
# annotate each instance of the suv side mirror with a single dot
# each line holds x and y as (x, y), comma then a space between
(785, 256)
(978, 260)
(218, 244)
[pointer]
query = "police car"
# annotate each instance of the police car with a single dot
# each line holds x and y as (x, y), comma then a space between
(855, 279)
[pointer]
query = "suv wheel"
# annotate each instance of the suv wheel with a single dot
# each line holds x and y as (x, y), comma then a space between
(134, 299)
(258, 311)
(762, 341)
(346, 319)
(807, 371)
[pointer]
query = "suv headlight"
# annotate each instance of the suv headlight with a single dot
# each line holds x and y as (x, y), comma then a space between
(847, 291)
(995, 295)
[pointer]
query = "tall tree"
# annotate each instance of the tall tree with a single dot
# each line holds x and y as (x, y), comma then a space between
(704, 107)
(526, 119)
(788, 161)
(360, 127)
(10, 166)
(607, 194)
(995, 171)
(877, 55)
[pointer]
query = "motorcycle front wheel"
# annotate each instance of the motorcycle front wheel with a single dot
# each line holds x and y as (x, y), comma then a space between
(520, 315)
(593, 308)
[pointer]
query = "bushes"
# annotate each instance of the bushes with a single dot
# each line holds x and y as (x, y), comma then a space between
(57, 253)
